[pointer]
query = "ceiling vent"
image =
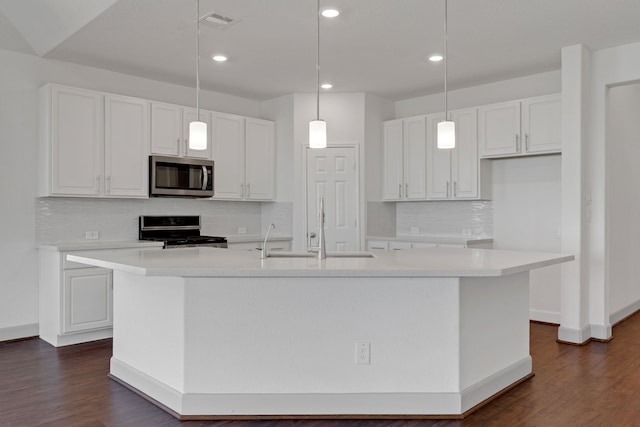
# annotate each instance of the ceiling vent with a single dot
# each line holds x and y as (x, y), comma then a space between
(218, 21)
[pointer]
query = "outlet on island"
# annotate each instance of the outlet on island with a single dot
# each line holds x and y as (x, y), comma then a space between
(92, 235)
(242, 230)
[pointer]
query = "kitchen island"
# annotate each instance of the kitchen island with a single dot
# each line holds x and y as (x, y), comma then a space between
(214, 333)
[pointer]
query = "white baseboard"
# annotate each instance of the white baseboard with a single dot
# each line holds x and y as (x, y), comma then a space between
(624, 312)
(21, 331)
(544, 316)
(268, 404)
(575, 336)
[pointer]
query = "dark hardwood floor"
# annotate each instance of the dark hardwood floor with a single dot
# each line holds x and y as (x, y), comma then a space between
(593, 385)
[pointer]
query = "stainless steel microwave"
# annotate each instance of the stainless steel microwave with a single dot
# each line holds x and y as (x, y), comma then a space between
(179, 177)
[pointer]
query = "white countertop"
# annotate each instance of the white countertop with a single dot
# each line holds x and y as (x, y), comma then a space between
(462, 240)
(215, 262)
(91, 245)
(243, 238)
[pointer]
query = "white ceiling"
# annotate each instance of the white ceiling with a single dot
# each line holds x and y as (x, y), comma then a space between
(375, 46)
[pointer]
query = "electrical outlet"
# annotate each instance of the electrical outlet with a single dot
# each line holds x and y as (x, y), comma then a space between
(466, 232)
(242, 230)
(415, 230)
(92, 235)
(363, 353)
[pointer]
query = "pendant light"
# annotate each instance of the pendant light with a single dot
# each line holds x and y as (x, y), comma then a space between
(446, 128)
(197, 129)
(317, 127)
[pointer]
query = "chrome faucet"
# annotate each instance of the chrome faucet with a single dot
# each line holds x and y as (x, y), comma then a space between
(322, 250)
(264, 253)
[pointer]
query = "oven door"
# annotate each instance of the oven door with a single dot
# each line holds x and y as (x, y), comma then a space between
(173, 176)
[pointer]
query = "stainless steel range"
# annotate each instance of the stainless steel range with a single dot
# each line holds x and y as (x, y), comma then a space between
(180, 231)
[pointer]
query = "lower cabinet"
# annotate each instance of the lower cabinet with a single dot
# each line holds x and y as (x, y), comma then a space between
(87, 303)
(76, 300)
(400, 245)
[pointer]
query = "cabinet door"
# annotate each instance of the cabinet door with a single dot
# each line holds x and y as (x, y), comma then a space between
(392, 159)
(438, 162)
(76, 141)
(415, 158)
(228, 155)
(542, 124)
(126, 150)
(188, 116)
(166, 129)
(259, 159)
(87, 301)
(499, 129)
(465, 160)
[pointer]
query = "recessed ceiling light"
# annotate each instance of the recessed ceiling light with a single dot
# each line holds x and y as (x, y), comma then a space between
(326, 85)
(219, 58)
(330, 13)
(436, 58)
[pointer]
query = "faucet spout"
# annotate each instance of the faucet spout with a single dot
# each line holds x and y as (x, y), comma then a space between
(322, 249)
(264, 254)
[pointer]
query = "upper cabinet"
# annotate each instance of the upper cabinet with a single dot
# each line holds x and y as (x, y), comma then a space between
(170, 130)
(525, 127)
(454, 174)
(404, 159)
(243, 150)
(91, 144)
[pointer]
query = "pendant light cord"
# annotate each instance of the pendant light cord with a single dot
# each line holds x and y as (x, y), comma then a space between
(318, 67)
(446, 110)
(197, 60)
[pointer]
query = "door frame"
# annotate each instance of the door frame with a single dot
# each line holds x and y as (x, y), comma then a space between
(300, 225)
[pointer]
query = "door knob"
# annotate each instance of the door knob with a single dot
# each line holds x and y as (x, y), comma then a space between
(312, 235)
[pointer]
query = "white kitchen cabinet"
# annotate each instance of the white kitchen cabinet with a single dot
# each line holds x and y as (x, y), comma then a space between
(126, 147)
(456, 174)
(424, 242)
(71, 141)
(170, 130)
(92, 144)
(259, 159)
(88, 300)
(244, 153)
(525, 127)
(404, 157)
(542, 124)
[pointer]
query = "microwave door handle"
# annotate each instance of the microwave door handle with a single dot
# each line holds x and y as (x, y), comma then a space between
(205, 178)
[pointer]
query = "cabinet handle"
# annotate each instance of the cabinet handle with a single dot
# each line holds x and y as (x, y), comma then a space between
(447, 189)
(400, 191)
(248, 190)
(517, 142)
(241, 190)
(455, 188)
(109, 184)
(406, 190)
(98, 184)
(186, 146)
(526, 141)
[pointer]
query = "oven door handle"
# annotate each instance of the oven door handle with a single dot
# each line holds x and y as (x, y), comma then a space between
(205, 177)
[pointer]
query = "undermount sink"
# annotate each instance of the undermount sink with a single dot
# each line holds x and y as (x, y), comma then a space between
(301, 254)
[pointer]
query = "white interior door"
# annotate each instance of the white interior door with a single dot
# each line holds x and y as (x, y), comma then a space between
(332, 173)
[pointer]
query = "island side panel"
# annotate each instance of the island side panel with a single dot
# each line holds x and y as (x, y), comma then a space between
(494, 334)
(148, 338)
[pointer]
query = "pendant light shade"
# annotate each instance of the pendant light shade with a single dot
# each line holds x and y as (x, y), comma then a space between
(446, 134)
(317, 134)
(198, 135)
(317, 127)
(446, 129)
(197, 129)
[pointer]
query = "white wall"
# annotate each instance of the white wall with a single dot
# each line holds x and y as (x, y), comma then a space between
(527, 216)
(505, 90)
(622, 203)
(20, 77)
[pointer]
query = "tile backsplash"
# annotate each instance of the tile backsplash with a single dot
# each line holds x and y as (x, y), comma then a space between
(67, 219)
(445, 218)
